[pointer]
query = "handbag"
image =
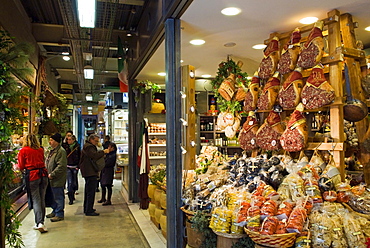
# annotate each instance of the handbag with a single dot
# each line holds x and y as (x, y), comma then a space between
(99, 164)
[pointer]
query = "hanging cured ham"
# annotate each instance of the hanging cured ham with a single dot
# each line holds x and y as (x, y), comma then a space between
(290, 53)
(251, 97)
(313, 48)
(317, 92)
(247, 136)
(295, 136)
(269, 93)
(227, 88)
(268, 135)
(290, 93)
(270, 59)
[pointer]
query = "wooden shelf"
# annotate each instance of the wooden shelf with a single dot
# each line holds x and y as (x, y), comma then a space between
(157, 157)
(156, 133)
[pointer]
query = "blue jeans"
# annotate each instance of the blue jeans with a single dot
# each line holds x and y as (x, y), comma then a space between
(58, 203)
(72, 179)
(38, 189)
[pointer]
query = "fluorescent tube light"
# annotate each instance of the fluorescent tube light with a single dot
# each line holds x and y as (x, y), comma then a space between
(86, 13)
(89, 97)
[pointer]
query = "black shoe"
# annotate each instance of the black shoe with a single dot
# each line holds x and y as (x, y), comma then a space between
(70, 202)
(101, 200)
(92, 214)
(107, 203)
(97, 190)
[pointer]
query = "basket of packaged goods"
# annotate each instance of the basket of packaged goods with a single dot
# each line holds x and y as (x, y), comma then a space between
(273, 240)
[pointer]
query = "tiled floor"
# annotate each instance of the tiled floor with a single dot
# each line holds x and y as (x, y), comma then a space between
(119, 225)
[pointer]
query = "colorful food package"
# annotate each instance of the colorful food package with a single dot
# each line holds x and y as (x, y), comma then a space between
(235, 228)
(313, 48)
(317, 162)
(254, 223)
(270, 59)
(269, 225)
(227, 87)
(270, 193)
(297, 219)
(247, 136)
(295, 136)
(302, 241)
(290, 53)
(224, 220)
(317, 92)
(292, 188)
(281, 227)
(268, 135)
(312, 190)
(243, 212)
(251, 97)
(330, 196)
(269, 208)
(353, 232)
(269, 94)
(290, 93)
(284, 210)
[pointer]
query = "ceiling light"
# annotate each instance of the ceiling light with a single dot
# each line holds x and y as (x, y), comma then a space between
(206, 76)
(259, 46)
(231, 11)
(367, 28)
(89, 72)
(86, 13)
(128, 34)
(181, 61)
(65, 53)
(162, 74)
(197, 42)
(230, 44)
(66, 58)
(89, 97)
(89, 108)
(308, 20)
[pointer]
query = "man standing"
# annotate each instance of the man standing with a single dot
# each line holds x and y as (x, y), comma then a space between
(56, 164)
(90, 153)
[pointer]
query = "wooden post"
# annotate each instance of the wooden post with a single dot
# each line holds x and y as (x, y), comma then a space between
(335, 78)
(188, 83)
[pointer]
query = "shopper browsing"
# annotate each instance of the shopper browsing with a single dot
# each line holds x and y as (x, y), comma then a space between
(90, 155)
(56, 164)
(107, 175)
(73, 151)
(31, 159)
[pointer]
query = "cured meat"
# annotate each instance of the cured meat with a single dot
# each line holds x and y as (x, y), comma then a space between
(228, 122)
(270, 59)
(268, 135)
(295, 137)
(290, 93)
(251, 97)
(313, 48)
(230, 131)
(317, 92)
(269, 94)
(247, 136)
(290, 53)
(227, 87)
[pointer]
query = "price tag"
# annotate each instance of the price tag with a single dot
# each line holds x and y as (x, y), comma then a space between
(290, 46)
(304, 100)
(253, 141)
(337, 229)
(356, 233)
(273, 143)
(250, 123)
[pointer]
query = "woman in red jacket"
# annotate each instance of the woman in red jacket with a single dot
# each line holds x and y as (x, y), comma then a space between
(31, 159)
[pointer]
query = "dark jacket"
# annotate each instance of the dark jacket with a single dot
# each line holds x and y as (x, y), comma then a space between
(73, 159)
(89, 151)
(107, 174)
(56, 163)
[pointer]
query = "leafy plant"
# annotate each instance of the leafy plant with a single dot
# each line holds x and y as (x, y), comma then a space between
(224, 70)
(244, 243)
(200, 222)
(12, 67)
(145, 86)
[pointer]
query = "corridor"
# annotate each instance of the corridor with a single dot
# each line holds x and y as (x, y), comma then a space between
(119, 225)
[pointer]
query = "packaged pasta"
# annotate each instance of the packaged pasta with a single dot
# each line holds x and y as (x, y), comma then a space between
(254, 223)
(269, 225)
(269, 208)
(281, 227)
(353, 232)
(284, 210)
(297, 219)
(224, 220)
(235, 227)
(330, 196)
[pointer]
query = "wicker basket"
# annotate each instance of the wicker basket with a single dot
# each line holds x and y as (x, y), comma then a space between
(274, 240)
(367, 216)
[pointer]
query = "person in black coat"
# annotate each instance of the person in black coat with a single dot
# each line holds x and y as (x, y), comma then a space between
(107, 175)
(73, 150)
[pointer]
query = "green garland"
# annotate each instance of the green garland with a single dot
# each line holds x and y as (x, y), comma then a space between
(12, 60)
(143, 87)
(224, 70)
